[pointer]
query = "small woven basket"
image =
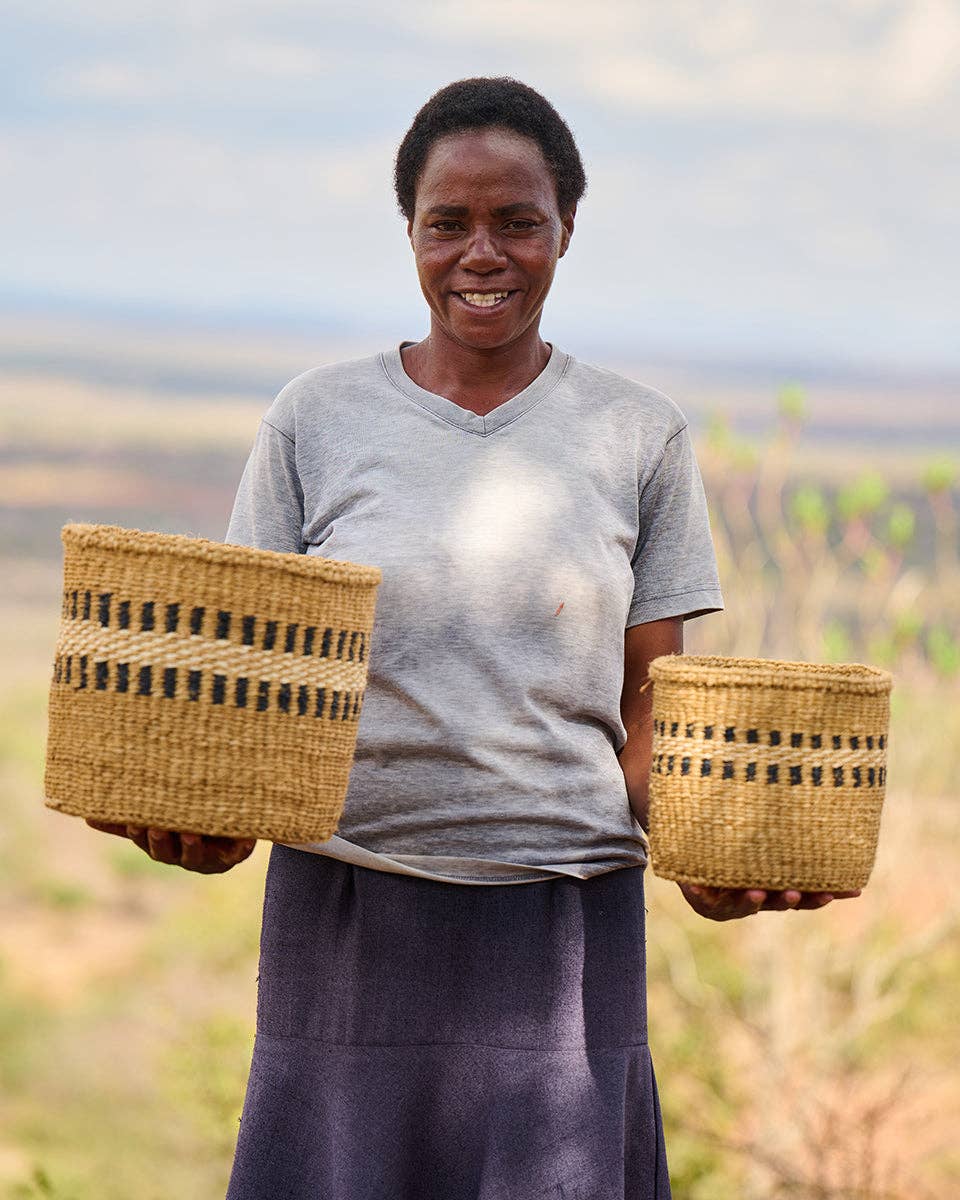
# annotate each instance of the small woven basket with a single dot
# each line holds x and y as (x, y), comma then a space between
(206, 687)
(767, 774)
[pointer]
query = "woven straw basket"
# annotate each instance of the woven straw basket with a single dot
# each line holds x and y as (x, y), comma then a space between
(206, 687)
(767, 774)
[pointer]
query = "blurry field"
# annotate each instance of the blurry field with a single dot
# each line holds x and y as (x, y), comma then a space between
(809, 1056)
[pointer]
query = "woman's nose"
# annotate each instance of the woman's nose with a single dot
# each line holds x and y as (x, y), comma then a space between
(482, 253)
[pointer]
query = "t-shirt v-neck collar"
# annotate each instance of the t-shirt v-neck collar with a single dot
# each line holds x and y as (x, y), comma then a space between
(463, 418)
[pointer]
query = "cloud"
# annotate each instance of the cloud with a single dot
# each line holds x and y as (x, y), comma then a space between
(159, 172)
(920, 58)
(182, 218)
(754, 167)
(863, 61)
(110, 80)
(276, 59)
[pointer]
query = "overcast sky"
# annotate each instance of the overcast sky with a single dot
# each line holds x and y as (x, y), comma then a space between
(766, 179)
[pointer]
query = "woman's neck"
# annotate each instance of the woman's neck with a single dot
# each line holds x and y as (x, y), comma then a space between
(476, 379)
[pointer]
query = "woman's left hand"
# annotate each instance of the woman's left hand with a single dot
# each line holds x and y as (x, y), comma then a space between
(727, 904)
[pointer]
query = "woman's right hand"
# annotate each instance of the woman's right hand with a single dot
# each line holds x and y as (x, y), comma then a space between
(729, 904)
(193, 851)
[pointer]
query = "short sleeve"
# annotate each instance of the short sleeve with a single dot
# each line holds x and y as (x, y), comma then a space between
(268, 508)
(674, 565)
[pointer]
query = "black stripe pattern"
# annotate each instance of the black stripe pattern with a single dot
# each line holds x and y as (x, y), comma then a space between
(861, 775)
(775, 737)
(82, 671)
(855, 776)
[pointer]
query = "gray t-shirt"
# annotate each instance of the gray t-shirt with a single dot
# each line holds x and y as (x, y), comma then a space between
(515, 548)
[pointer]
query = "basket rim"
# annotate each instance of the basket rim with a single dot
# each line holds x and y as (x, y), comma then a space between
(717, 670)
(150, 542)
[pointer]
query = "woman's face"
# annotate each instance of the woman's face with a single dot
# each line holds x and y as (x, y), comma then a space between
(486, 234)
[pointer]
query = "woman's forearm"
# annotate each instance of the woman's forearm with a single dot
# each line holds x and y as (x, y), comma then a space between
(641, 644)
(634, 759)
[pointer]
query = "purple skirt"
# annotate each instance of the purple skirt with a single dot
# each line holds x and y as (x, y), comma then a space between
(420, 1040)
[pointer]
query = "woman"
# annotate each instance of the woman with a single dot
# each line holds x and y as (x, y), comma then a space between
(425, 1030)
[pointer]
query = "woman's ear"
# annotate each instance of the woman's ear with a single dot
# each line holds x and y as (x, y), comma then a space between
(567, 230)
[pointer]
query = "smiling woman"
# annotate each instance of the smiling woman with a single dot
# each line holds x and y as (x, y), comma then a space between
(490, 208)
(486, 258)
(426, 1028)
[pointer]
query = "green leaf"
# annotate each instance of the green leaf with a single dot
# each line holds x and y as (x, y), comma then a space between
(809, 508)
(901, 525)
(906, 627)
(944, 650)
(862, 496)
(718, 430)
(939, 475)
(836, 643)
(792, 402)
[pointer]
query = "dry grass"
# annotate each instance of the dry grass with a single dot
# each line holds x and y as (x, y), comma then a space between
(801, 1056)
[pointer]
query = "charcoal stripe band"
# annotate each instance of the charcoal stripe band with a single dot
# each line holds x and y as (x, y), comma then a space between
(783, 757)
(173, 650)
(663, 764)
(212, 686)
(296, 638)
(753, 738)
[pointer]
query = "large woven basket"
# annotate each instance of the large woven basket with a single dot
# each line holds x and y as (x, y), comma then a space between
(206, 687)
(767, 774)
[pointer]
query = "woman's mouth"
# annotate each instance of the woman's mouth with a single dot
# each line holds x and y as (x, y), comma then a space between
(484, 299)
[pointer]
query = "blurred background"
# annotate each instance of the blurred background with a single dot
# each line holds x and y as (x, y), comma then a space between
(197, 206)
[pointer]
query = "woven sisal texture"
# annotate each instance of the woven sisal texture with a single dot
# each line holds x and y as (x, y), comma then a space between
(206, 687)
(766, 773)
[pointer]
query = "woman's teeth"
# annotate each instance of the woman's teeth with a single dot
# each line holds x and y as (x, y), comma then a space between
(483, 299)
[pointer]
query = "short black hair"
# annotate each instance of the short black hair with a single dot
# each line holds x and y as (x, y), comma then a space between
(485, 102)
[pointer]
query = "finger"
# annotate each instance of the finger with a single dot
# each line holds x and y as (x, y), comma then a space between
(211, 855)
(721, 904)
(701, 898)
(223, 845)
(242, 848)
(714, 895)
(237, 851)
(107, 827)
(708, 898)
(741, 902)
(138, 835)
(755, 900)
(232, 850)
(215, 856)
(820, 899)
(191, 851)
(781, 901)
(164, 845)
